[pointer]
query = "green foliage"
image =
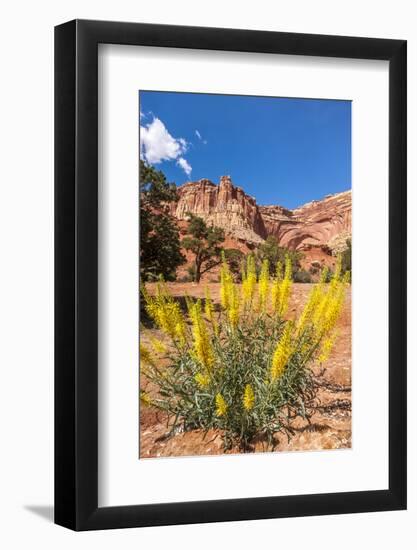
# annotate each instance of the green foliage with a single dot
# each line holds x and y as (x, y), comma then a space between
(204, 242)
(234, 258)
(246, 355)
(160, 252)
(327, 274)
(271, 251)
(302, 276)
(191, 272)
(240, 367)
(347, 257)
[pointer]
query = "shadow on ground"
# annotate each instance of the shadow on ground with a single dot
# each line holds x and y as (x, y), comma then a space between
(45, 512)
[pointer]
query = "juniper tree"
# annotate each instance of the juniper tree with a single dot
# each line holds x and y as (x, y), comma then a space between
(160, 250)
(204, 242)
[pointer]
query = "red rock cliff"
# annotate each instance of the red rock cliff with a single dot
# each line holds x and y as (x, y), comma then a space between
(223, 205)
(319, 223)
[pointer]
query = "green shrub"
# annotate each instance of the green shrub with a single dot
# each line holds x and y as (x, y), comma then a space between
(244, 368)
(347, 257)
(302, 276)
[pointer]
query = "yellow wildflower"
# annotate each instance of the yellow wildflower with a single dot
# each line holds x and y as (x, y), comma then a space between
(333, 309)
(249, 281)
(330, 306)
(263, 285)
(158, 346)
(281, 354)
(209, 311)
(145, 399)
(248, 398)
(202, 345)
(228, 294)
(234, 307)
(181, 331)
(275, 294)
(167, 315)
(203, 380)
(221, 405)
(281, 304)
(327, 347)
(321, 306)
(314, 299)
(145, 355)
(324, 274)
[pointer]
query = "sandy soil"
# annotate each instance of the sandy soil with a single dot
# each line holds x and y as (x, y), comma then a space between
(329, 427)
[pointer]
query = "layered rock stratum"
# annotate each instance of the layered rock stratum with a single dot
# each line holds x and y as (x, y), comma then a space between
(321, 223)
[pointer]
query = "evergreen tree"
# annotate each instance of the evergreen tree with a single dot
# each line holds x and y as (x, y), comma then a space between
(203, 241)
(347, 257)
(160, 252)
(271, 251)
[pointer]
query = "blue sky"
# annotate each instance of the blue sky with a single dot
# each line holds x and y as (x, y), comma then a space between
(279, 150)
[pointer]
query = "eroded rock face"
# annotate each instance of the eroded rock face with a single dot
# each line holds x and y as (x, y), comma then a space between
(223, 205)
(316, 224)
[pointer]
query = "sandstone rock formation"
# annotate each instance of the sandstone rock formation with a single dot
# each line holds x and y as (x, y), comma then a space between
(316, 224)
(222, 205)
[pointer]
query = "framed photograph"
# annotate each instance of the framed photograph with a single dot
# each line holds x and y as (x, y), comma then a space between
(230, 253)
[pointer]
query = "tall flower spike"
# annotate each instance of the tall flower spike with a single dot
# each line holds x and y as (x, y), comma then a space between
(226, 284)
(281, 354)
(202, 344)
(249, 281)
(324, 274)
(333, 309)
(221, 405)
(248, 398)
(327, 347)
(263, 285)
(145, 355)
(234, 307)
(320, 309)
(209, 311)
(285, 287)
(167, 314)
(145, 399)
(203, 380)
(309, 309)
(158, 346)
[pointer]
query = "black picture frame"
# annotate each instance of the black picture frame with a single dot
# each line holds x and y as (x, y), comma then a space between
(76, 272)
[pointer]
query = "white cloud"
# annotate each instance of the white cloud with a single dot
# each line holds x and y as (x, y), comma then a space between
(157, 144)
(200, 137)
(184, 165)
